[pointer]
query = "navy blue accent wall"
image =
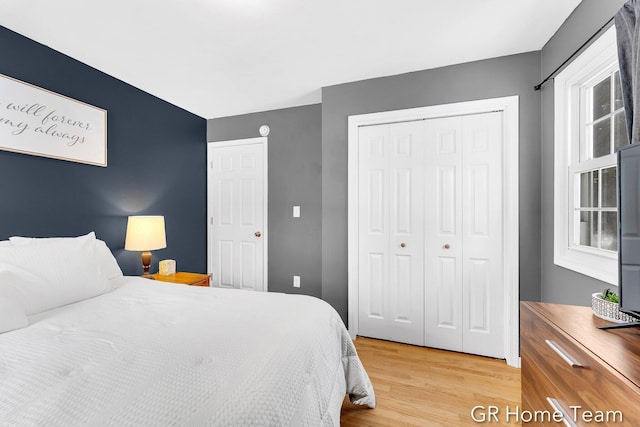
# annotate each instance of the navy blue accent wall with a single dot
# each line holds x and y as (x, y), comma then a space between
(156, 165)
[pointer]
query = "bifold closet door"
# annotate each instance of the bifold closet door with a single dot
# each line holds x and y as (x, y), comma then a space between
(464, 303)
(443, 228)
(391, 232)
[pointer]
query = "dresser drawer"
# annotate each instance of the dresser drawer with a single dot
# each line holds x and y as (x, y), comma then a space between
(538, 387)
(534, 395)
(547, 357)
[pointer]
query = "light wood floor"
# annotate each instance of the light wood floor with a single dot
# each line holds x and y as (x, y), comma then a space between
(417, 386)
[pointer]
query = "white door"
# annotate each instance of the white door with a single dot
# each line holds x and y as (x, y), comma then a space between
(430, 233)
(464, 283)
(443, 226)
(237, 213)
(482, 228)
(391, 232)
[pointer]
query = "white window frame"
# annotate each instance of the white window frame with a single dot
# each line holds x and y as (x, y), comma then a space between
(600, 57)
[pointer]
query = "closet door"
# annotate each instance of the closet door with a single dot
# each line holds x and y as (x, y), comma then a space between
(391, 233)
(483, 283)
(463, 248)
(443, 227)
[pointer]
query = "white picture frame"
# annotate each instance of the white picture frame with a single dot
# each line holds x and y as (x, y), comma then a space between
(43, 123)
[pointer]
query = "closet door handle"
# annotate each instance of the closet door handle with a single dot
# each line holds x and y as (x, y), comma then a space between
(563, 354)
(446, 246)
(402, 245)
(566, 418)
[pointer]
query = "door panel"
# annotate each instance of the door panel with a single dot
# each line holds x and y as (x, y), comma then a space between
(236, 206)
(478, 293)
(375, 292)
(375, 208)
(225, 267)
(249, 273)
(446, 304)
(479, 202)
(249, 197)
(225, 202)
(446, 203)
(391, 232)
(443, 242)
(402, 270)
(373, 233)
(483, 298)
(402, 196)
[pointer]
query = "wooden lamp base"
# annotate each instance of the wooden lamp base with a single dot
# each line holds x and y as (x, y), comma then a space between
(146, 263)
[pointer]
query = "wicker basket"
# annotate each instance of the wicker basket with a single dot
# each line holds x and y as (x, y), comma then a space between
(608, 310)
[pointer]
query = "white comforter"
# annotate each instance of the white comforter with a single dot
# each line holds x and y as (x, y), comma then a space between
(158, 354)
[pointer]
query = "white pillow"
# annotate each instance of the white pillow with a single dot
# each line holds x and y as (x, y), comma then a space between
(21, 241)
(5, 242)
(45, 276)
(108, 264)
(12, 315)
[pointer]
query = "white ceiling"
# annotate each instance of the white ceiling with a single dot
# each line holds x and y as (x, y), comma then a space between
(219, 58)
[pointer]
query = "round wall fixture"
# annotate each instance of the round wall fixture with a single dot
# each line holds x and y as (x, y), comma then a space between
(264, 130)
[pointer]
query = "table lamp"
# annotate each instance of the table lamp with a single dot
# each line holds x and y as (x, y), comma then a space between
(145, 233)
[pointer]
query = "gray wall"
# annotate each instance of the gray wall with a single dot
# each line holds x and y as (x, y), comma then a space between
(324, 200)
(294, 179)
(560, 285)
(506, 76)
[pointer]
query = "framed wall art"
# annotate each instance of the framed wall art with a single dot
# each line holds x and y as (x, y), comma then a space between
(39, 122)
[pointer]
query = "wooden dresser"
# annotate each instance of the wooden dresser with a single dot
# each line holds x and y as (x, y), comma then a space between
(588, 373)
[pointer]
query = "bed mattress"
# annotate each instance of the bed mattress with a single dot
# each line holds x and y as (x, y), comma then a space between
(160, 354)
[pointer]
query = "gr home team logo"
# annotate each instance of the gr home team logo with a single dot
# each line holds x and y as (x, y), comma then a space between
(575, 414)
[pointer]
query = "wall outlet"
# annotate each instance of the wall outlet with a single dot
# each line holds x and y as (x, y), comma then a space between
(296, 211)
(296, 281)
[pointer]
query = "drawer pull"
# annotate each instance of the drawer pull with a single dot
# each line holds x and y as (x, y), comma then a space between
(560, 351)
(566, 419)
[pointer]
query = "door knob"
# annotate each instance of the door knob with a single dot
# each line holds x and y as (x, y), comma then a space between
(402, 245)
(447, 246)
(257, 234)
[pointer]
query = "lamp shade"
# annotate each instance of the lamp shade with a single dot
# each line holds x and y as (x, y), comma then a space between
(145, 233)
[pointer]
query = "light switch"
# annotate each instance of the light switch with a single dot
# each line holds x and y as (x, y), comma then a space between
(296, 211)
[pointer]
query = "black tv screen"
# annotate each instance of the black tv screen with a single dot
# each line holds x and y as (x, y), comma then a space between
(629, 229)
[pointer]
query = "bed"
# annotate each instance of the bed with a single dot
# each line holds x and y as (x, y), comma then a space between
(138, 352)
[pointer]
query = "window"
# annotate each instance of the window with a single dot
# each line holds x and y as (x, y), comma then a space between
(589, 127)
(603, 130)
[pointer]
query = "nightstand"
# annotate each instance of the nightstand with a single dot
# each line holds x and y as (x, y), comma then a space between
(192, 279)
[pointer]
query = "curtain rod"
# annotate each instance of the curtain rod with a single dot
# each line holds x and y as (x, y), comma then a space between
(552, 75)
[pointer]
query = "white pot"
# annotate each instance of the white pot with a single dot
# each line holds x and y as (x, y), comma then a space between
(608, 310)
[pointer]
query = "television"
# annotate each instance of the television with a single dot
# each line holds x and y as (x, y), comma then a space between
(628, 233)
